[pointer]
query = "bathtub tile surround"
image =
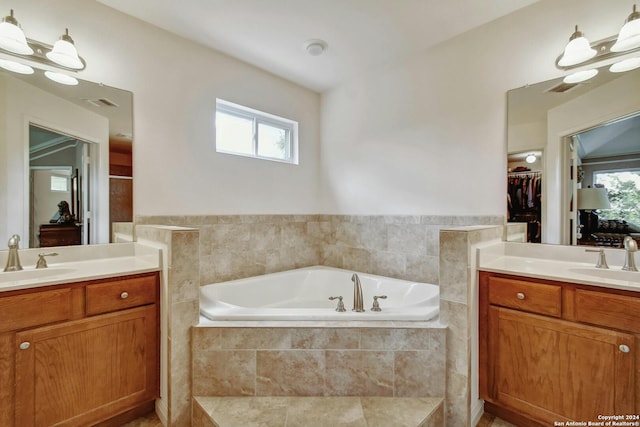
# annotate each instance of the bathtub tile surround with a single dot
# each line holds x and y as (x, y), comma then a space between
(398, 246)
(312, 361)
(306, 411)
(458, 310)
(179, 311)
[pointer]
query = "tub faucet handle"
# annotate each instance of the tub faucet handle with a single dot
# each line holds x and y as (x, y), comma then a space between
(376, 304)
(340, 306)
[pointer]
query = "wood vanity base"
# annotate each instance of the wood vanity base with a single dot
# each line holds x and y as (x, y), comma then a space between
(553, 352)
(80, 354)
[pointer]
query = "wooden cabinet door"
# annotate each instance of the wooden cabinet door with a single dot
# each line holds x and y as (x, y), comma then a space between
(79, 372)
(554, 370)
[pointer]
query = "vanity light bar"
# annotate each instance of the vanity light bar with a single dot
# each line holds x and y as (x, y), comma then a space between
(604, 53)
(39, 55)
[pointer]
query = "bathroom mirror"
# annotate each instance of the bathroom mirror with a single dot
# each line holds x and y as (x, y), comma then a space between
(63, 144)
(546, 118)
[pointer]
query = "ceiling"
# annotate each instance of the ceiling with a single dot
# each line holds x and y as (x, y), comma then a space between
(361, 34)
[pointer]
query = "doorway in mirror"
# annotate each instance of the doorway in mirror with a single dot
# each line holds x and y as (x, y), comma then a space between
(524, 192)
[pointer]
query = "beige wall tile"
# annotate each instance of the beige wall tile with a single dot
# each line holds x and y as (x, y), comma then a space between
(290, 373)
(359, 373)
(224, 373)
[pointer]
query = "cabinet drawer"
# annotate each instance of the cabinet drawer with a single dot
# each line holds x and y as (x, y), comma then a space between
(604, 309)
(35, 308)
(120, 294)
(527, 296)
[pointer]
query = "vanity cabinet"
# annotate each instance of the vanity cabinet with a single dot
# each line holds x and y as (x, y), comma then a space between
(94, 362)
(553, 352)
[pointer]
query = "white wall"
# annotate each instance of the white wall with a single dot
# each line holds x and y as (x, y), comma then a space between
(175, 83)
(428, 135)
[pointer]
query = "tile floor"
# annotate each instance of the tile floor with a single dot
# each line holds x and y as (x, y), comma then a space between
(152, 420)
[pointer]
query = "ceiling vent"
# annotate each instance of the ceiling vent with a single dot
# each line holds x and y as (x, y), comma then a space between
(562, 87)
(101, 102)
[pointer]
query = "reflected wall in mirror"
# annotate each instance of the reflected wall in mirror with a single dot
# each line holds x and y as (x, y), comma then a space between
(549, 116)
(79, 135)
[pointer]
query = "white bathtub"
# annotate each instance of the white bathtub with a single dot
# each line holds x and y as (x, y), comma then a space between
(303, 294)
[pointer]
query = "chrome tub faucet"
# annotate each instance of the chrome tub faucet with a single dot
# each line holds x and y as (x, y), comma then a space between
(631, 247)
(358, 305)
(13, 260)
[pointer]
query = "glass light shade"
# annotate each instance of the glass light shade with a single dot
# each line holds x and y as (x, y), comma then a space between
(593, 198)
(64, 53)
(61, 78)
(629, 36)
(12, 39)
(580, 76)
(530, 158)
(625, 65)
(577, 50)
(15, 67)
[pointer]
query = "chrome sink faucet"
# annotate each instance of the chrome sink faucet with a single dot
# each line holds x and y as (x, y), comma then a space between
(13, 260)
(630, 247)
(358, 304)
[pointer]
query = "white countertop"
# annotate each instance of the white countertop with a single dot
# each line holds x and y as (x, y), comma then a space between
(79, 263)
(562, 263)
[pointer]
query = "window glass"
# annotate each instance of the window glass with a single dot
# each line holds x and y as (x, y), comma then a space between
(623, 188)
(59, 183)
(247, 132)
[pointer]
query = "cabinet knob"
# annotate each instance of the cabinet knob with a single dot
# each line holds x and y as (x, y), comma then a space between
(25, 345)
(624, 348)
(520, 295)
(124, 295)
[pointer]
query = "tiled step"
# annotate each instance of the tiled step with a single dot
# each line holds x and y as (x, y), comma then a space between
(317, 411)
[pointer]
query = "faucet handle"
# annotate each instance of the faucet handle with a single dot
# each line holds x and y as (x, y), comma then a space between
(602, 259)
(42, 262)
(376, 304)
(340, 306)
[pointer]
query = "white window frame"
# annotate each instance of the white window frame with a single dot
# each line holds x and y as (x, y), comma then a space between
(260, 117)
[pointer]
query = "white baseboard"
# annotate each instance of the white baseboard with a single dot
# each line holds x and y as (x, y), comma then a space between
(477, 409)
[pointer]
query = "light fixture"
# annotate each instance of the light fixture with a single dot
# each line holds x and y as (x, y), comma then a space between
(531, 158)
(315, 47)
(579, 54)
(19, 54)
(15, 67)
(625, 65)
(629, 36)
(12, 37)
(61, 78)
(64, 52)
(578, 50)
(580, 76)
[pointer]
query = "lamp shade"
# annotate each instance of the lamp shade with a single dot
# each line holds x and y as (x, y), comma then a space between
(64, 53)
(577, 50)
(629, 36)
(593, 198)
(12, 38)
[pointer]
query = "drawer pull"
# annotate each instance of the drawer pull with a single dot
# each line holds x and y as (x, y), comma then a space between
(25, 345)
(624, 348)
(124, 295)
(520, 295)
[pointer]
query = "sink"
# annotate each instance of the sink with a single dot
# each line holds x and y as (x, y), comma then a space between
(33, 273)
(612, 274)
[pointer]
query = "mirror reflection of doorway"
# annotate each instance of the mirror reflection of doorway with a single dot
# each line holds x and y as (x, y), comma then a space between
(58, 189)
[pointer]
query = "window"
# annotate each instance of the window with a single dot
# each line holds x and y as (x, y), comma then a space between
(59, 183)
(247, 132)
(623, 188)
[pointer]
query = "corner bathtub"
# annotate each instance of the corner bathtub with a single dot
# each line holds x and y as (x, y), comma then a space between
(303, 294)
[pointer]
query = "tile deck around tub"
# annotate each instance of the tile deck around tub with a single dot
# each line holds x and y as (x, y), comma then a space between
(317, 412)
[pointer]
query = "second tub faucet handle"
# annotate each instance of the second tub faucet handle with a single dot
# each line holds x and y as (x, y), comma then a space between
(376, 304)
(602, 259)
(340, 306)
